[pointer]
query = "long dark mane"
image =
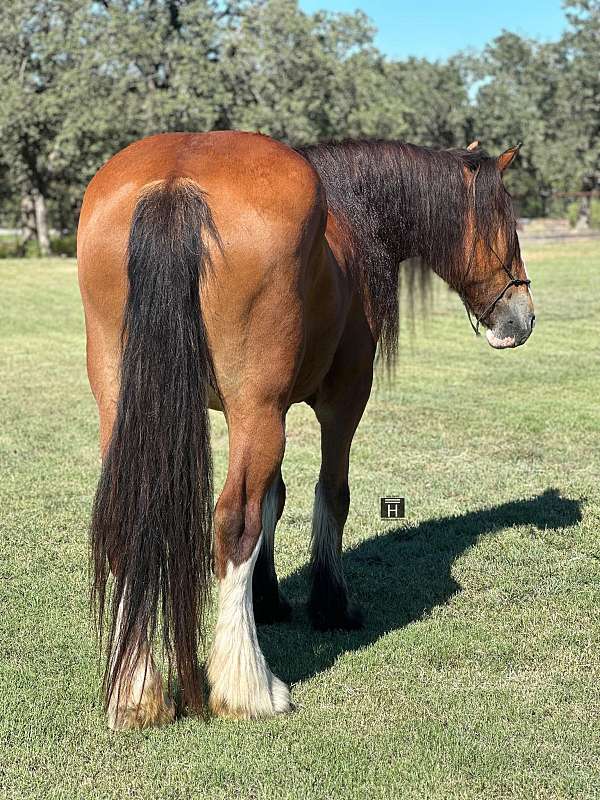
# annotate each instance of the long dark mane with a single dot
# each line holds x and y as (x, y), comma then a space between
(399, 201)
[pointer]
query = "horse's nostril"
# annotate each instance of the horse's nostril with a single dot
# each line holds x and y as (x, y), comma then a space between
(532, 321)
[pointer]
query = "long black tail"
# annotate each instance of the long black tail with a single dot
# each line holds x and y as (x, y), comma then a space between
(152, 514)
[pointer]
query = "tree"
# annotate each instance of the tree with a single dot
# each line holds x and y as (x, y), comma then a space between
(300, 77)
(80, 79)
(579, 95)
(515, 85)
(36, 54)
(434, 101)
(548, 96)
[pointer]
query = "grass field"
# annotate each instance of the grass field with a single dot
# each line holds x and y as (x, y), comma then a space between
(478, 672)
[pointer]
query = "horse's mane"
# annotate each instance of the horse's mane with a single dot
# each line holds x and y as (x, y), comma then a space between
(398, 201)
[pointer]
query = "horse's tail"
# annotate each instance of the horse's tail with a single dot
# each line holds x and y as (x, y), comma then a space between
(152, 514)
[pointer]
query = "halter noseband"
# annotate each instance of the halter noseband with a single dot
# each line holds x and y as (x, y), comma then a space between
(512, 282)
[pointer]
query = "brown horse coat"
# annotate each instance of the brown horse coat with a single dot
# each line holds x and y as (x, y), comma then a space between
(285, 316)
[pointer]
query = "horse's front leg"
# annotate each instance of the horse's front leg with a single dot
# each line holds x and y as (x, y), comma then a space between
(241, 684)
(269, 604)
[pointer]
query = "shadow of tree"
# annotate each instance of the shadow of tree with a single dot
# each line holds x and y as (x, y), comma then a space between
(397, 577)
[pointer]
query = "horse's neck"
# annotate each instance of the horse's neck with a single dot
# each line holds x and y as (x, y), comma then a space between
(382, 194)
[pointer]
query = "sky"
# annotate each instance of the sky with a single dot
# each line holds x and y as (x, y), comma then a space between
(435, 29)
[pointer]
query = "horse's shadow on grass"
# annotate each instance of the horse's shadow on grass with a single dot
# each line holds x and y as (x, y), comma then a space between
(397, 577)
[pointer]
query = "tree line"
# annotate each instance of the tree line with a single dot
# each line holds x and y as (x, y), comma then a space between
(80, 79)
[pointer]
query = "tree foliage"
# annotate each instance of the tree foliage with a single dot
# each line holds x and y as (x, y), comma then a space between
(80, 79)
(548, 96)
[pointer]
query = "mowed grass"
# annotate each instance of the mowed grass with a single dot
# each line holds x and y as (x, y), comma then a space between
(477, 673)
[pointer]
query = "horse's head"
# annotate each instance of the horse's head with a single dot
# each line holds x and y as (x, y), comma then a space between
(493, 281)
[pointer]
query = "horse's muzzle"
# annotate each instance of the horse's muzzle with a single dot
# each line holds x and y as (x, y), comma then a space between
(512, 322)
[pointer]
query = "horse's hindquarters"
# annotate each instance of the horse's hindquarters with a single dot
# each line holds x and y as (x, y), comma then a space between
(268, 293)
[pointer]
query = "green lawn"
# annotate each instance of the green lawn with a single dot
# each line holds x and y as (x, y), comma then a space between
(478, 671)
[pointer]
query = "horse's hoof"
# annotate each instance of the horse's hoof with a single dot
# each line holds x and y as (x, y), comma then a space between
(261, 705)
(341, 618)
(143, 716)
(154, 709)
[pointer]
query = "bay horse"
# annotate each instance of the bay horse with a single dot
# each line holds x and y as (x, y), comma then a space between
(228, 270)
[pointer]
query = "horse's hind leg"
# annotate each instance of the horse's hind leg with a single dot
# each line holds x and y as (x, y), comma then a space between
(242, 685)
(138, 700)
(269, 604)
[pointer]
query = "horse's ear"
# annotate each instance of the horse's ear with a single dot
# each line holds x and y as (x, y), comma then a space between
(474, 145)
(508, 156)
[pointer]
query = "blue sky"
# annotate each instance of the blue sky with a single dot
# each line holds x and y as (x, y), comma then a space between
(436, 29)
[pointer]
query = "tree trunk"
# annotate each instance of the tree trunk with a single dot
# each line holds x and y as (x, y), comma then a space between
(583, 221)
(41, 223)
(28, 226)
